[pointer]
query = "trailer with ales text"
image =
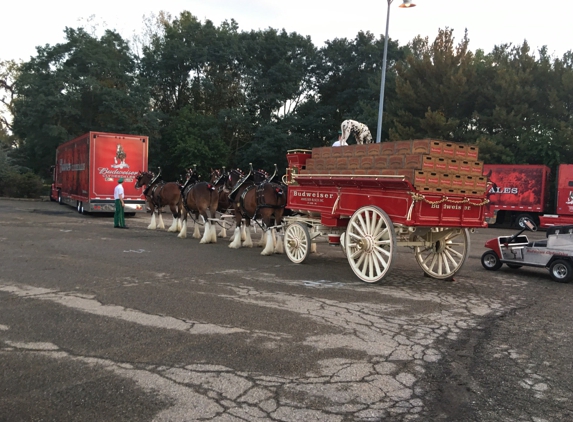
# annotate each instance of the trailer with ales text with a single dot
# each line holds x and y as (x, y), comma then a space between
(517, 193)
(88, 168)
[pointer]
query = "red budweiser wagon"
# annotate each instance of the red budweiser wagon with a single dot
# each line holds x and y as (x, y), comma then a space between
(424, 194)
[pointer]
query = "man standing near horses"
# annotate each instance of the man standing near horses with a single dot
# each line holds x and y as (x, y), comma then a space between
(119, 216)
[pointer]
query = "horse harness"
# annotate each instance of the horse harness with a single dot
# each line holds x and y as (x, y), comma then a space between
(187, 188)
(153, 192)
(260, 198)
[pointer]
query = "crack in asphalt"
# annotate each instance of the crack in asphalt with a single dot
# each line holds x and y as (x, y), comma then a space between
(383, 384)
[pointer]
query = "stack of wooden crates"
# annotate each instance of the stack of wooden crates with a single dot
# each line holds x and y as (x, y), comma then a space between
(430, 165)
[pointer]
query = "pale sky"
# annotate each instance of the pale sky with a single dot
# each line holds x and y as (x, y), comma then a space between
(26, 24)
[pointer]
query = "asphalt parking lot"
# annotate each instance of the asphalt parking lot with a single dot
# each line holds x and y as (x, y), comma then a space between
(98, 324)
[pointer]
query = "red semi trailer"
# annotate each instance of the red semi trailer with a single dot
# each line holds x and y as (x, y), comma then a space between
(88, 167)
(517, 192)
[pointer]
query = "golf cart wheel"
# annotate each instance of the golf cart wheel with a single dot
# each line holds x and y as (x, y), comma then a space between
(490, 261)
(561, 271)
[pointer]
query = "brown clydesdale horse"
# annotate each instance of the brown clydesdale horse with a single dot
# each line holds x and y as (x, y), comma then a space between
(159, 194)
(218, 178)
(200, 199)
(257, 198)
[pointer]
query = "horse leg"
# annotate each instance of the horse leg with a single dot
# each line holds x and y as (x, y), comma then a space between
(196, 230)
(248, 243)
(160, 224)
(279, 246)
(236, 239)
(208, 233)
(243, 231)
(212, 213)
(268, 233)
(263, 243)
(183, 232)
(153, 224)
(269, 247)
(212, 227)
(179, 215)
(223, 230)
(173, 227)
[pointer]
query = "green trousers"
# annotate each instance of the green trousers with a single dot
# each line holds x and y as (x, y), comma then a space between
(118, 217)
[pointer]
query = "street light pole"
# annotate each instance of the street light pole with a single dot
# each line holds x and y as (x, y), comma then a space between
(405, 4)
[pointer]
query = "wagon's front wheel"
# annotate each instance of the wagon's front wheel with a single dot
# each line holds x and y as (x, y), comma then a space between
(370, 242)
(445, 252)
(297, 242)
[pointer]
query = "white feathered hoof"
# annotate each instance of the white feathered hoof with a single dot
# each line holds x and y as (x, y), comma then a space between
(160, 224)
(179, 224)
(223, 232)
(236, 243)
(313, 247)
(206, 234)
(269, 249)
(213, 233)
(153, 224)
(279, 247)
(196, 231)
(173, 227)
(243, 233)
(263, 242)
(248, 243)
(183, 233)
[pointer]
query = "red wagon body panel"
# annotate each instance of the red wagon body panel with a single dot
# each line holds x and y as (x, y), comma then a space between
(340, 196)
(361, 201)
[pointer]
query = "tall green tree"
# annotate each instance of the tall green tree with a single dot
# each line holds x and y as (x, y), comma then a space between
(436, 90)
(347, 86)
(524, 115)
(71, 88)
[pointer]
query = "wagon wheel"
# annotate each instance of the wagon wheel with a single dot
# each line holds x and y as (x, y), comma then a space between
(343, 242)
(446, 254)
(370, 242)
(297, 242)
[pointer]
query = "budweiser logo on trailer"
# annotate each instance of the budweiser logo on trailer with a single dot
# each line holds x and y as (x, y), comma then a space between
(88, 167)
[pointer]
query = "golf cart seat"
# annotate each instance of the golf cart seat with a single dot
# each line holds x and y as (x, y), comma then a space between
(538, 244)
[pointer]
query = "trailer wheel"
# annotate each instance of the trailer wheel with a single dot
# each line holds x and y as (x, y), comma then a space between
(297, 242)
(370, 242)
(561, 271)
(81, 208)
(446, 251)
(60, 197)
(490, 261)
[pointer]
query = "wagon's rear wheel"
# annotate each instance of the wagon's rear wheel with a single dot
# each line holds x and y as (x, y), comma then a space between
(297, 242)
(445, 253)
(370, 242)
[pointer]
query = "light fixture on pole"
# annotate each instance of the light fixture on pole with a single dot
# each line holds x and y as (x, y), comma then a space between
(405, 4)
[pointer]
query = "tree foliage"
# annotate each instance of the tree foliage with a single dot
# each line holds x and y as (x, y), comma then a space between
(214, 95)
(71, 88)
